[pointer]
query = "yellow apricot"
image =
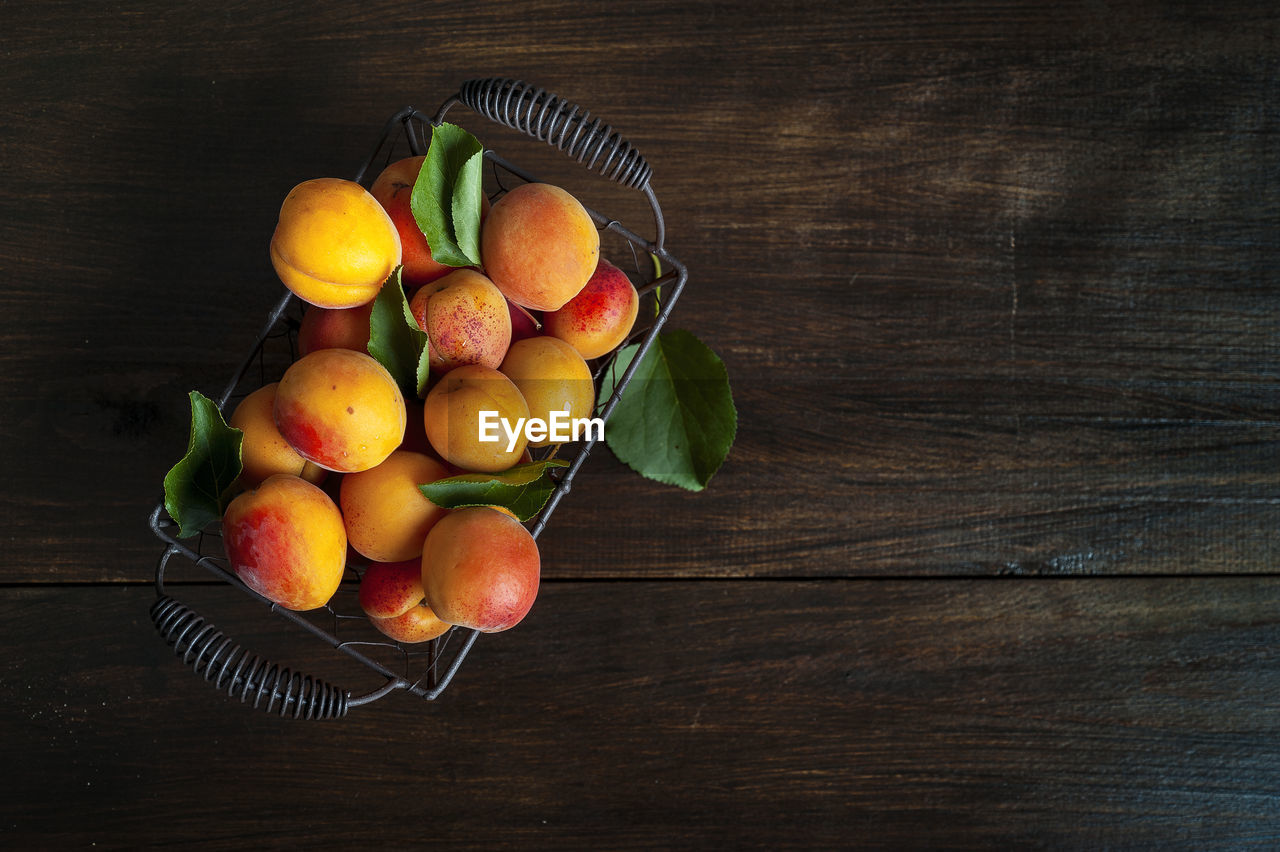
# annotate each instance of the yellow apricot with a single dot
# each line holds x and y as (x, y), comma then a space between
(480, 569)
(340, 409)
(386, 516)
(417, 624)
(551, 376)
(334, 244)
(539, 246)
(285, 540)
(264, 451)
(455, 409)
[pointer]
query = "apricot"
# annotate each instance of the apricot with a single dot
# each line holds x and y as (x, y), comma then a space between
(391, 596)
(418, 624)
(452, 416)
(600, 317)
(551, 376)
(466, 320)
(264, 451)
(388, 589)
(334, 244)
(386, 516)
(335, 328)
(539, 246)
(285, 540)
(394, 188)
(480, 569)
(340, 409)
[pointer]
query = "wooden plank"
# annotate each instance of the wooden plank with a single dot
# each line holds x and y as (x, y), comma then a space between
(1087, 713)
(996, 292)
(996, 288)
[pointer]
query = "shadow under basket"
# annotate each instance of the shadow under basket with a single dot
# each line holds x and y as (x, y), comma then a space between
(423, 670)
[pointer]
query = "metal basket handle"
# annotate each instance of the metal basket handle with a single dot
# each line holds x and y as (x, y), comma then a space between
(534, 111)
(230, 668)
(563, 124)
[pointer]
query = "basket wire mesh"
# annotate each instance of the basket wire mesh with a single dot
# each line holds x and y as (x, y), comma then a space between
(424, 670)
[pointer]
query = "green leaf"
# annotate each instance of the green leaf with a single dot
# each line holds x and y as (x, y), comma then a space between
(395, 339)
(198, 488)
(423, 373)
(446, 197)
(524, 489)
(676, 420)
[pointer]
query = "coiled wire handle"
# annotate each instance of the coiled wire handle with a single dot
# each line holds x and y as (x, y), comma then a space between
(568, 127)
(229, 667)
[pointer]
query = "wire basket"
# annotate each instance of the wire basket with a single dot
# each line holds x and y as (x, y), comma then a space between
(423, 670)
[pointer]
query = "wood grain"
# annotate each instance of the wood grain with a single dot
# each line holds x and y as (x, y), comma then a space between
(996, 291)
(1080, 713)
(991, 563)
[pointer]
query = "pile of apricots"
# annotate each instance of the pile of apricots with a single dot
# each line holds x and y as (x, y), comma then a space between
(333, 453)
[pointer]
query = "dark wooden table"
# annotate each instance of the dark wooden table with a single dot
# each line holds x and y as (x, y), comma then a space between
(992, 562)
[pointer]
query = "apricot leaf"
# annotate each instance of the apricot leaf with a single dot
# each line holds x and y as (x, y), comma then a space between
(198, 488)
(395, 339)
(676, 421)
(446, 197)
(524, 489)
